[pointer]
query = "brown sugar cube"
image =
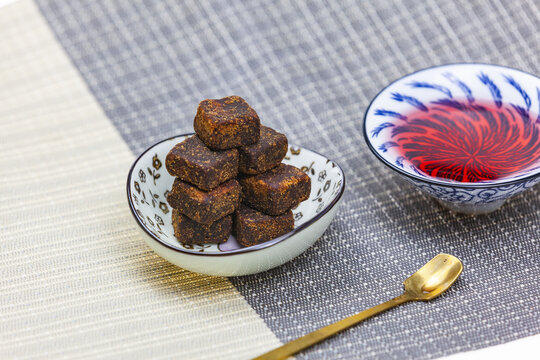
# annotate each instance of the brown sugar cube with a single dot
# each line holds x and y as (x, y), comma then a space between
(193, 162)
(264, 154)
(252, 227)
(201, 206)
(191, 232)
(277, 190)
(226, 123)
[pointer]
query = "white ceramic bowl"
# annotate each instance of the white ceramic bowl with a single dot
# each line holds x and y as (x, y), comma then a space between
(467, 88)
(148, 183)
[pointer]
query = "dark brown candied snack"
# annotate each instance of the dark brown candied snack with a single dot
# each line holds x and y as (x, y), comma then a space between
(201, 206)
(264, 154)
(226, 123)
(252, 227)
(188, 231)
(276, 190)
(193, 162)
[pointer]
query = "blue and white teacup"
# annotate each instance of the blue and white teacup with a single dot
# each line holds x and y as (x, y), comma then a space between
(466, 134)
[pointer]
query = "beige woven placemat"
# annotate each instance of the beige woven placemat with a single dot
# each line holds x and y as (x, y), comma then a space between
(77, 281)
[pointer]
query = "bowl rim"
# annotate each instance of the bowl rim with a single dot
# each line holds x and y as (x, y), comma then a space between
(434, 181)
(243, 250)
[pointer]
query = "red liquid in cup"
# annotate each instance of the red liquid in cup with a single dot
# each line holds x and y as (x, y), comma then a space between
(470, 143)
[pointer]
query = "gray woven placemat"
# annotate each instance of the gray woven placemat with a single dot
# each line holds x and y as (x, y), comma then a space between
(310, 70)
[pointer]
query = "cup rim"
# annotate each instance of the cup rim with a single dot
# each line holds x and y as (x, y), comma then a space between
(243, 250)
(435, 181)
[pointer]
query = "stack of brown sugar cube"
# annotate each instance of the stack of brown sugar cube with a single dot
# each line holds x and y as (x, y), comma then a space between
(233, 159)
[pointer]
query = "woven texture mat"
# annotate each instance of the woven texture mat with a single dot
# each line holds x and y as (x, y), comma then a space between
(77, 280)
(310, 70)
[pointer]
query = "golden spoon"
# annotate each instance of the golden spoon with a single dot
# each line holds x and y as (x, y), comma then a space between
(430, 281)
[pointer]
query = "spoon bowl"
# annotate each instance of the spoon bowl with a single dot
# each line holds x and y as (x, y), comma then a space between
(430, 281)
(434, 278)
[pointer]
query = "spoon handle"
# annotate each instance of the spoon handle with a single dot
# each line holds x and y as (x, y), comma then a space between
(294, 346)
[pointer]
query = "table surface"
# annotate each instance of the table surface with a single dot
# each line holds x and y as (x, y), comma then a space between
(86, 86)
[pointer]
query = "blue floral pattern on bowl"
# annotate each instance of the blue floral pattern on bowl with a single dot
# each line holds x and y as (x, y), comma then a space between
(454, 85)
